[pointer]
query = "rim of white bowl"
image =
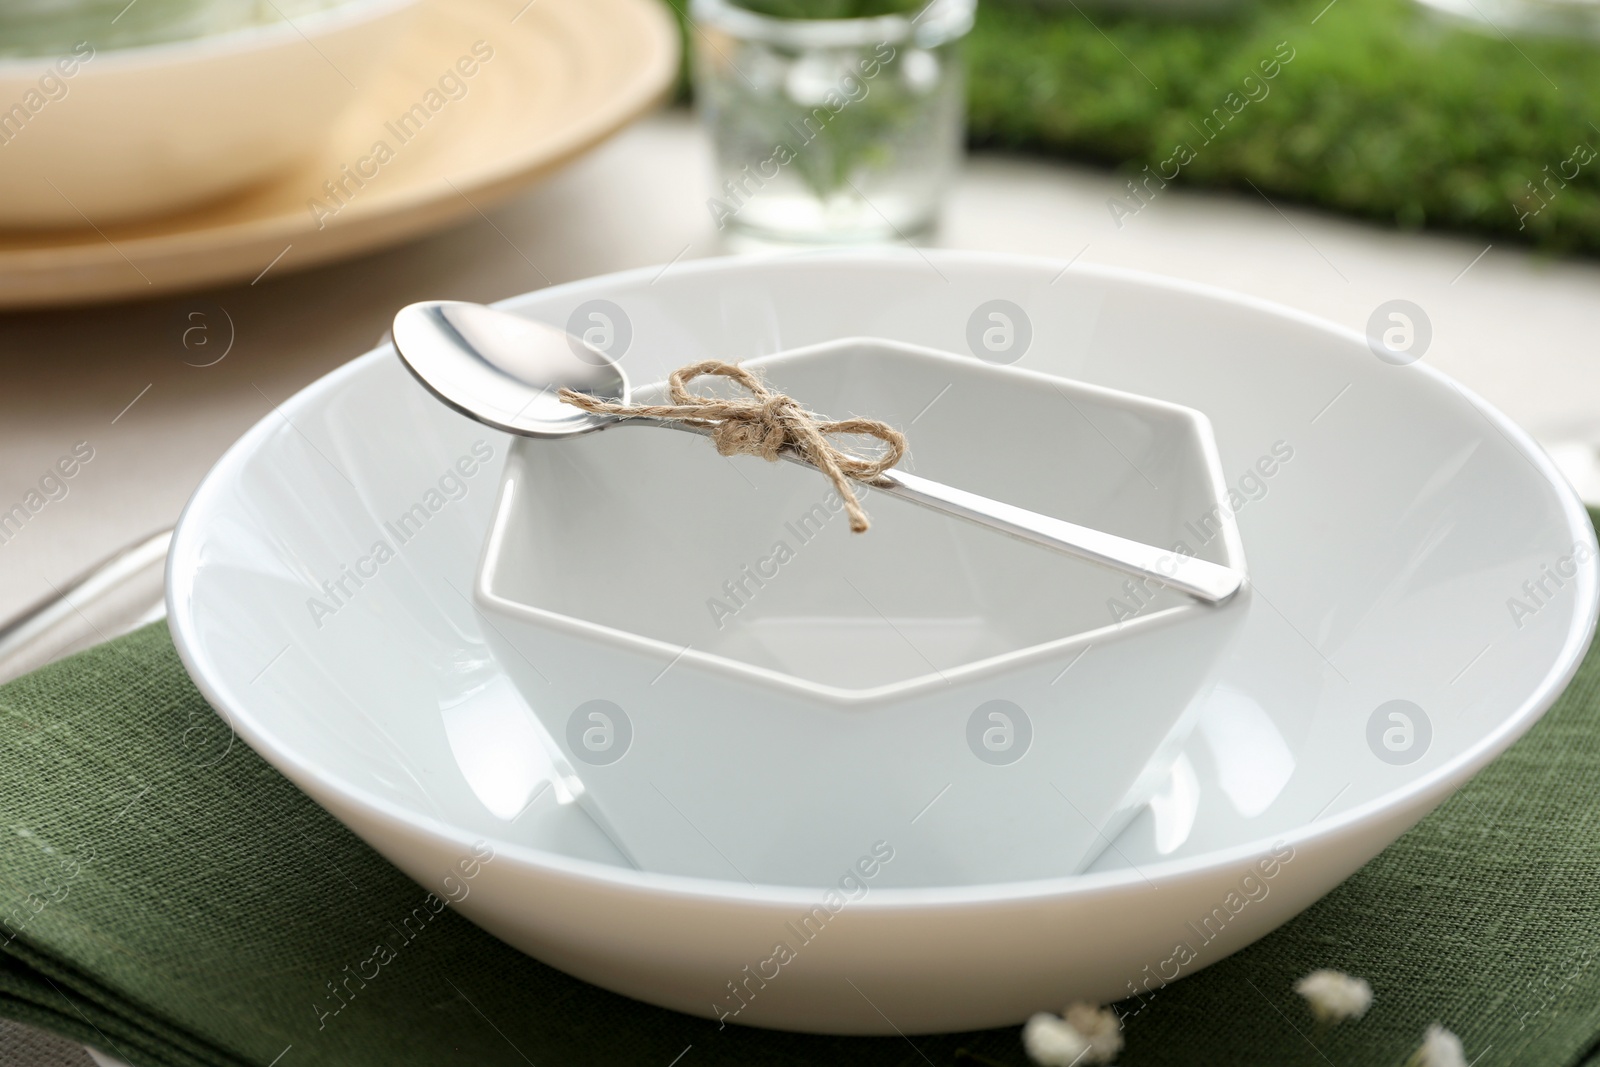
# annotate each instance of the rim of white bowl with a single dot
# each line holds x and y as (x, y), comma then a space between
(191, 529)
(210, 46)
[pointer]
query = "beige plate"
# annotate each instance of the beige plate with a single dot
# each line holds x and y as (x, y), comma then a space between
(564, 75)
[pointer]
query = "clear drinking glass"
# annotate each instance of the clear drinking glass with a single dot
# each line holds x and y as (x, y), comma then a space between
(831, 130)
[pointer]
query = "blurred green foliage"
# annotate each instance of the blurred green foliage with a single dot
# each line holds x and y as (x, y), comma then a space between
(1384, 112)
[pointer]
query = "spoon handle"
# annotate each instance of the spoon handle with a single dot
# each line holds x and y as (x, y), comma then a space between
(1210, 583)
(1203, 580)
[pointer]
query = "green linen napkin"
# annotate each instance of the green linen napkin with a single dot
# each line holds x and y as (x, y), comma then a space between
(175, 901)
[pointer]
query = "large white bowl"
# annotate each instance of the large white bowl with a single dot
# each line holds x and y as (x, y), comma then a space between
(1389, 518)
(93, 137)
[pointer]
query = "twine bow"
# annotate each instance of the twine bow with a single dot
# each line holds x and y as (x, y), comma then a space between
(765, 424)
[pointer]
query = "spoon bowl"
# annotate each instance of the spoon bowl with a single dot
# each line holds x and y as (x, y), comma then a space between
(504, 370)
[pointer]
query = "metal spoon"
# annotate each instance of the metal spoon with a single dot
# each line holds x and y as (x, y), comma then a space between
(505, 371)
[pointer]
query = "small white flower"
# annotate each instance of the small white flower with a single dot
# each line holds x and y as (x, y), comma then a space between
(1088, 1035)
(1334, 996)
(1051, 1041)
(1440, 1048)
(1100, 1027)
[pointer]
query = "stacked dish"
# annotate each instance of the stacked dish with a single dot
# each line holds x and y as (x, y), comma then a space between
(452, 640)
(173, 105)
(169, 144)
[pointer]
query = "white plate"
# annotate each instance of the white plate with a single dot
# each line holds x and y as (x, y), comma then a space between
(1389, 547)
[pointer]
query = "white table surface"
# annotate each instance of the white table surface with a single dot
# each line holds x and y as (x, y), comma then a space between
(1516, 327)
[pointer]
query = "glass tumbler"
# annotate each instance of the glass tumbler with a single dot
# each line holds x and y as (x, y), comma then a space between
(831, 130)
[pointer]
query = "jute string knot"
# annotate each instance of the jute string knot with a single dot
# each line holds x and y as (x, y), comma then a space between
(766, 424)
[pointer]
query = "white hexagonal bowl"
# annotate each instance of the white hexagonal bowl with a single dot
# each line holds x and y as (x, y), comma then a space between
(748, 690)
